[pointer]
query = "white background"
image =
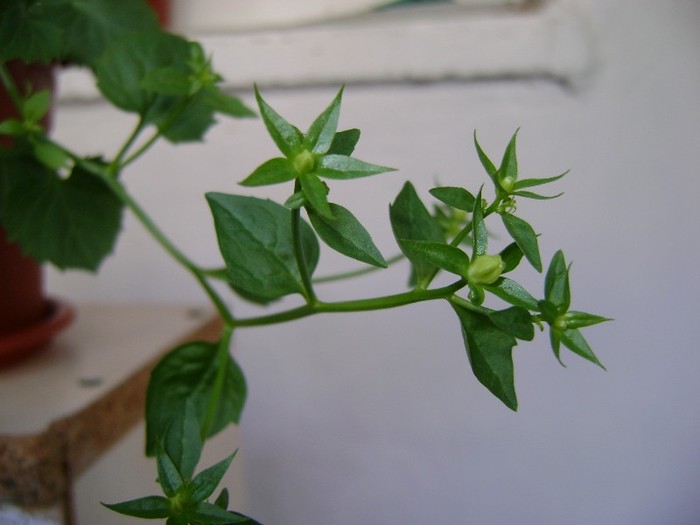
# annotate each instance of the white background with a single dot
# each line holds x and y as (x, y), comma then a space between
(377, 418)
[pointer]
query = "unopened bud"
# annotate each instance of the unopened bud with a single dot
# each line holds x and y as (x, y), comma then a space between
(485, 269)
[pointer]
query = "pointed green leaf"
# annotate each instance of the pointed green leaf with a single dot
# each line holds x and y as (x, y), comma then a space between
(479, 233)
(515, 321)
(288, 138)
(535, 196)
(183, 441)
(531, 183)
(555, 342)
(322, 132)
(490, 352)
(456, 197)
(226, 104)
(272, 171)
(556, 283)
(346, 235)
(187, 374)
(168, 476)
(511, 256)
(410, 220)
(204, 484)
(72, 222)
(509, 163)
(212, 515)
(512, 292)
(526, 238)
(549, 311)
(485, 161)
(222, 499)
(344, 168)
(574, 341)
(576, 319)
(344, 142)
(442, 255)
(36, 106)
(150, 507)
(51, 156)
(256, 240)
(316, 193)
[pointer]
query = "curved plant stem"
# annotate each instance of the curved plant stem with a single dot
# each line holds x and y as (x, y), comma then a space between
(299, 252)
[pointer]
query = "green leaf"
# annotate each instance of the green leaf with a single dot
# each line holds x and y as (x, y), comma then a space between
(549, 311)
(344, 168)
(344, 142)
(456, 197)
(272, 171)
(187, 374)
(167, 80)
(526, 238)
(437, 254)
(36, 106)
(11, 127)
(555, 342)
(574, 341)
(320, 136)
(71, 222)
(515, 321)
(479, 234)
(204, 484)
(50, 155)
(511, 256)
(222, 499)
(576, 319)
(556, 283)
(509, 163)
(183, 441)
(346, 235)
(169, 478)
(226, 104)
(316, 193)
(530, 195)
(513, 293)
(255, 238)
(29, 31)
(530, 183)
(490, 352)
(190, 123)
(411, 221)
(150, 507)
(212, 515)
(289, 139)
(485, 161)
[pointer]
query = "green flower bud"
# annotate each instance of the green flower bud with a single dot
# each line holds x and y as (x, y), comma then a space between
(305, 162)
(507, 183)
(485, 269)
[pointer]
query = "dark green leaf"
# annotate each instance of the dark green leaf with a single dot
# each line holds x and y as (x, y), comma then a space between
(345, 234)
(150, 507)
(515, 321)
(479, 234)
(187, 374)
(456, 197)
(437, 254)
(512, 292)
(530, 195)
(72, 222)
(204, 484)
(509, 163)
(556, 283)
(526, 238)
(555, 341)
(530, 183)
(256, 241)
(29, 31)
(169, 478)
(511, 256)
(167, 80)
(183, 441)
(574, 341)
(344, 142)
(320, 136)
(490, 352)
(343, 167)
(212, 515)
(222, 499)
(229, 105)
(410, 220)
(316, 193)
(485, 161)
(549, 311)
(289, 139)
(273, 171)
(190, 123)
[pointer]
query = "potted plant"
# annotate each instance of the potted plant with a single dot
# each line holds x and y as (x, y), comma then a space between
(269, 250)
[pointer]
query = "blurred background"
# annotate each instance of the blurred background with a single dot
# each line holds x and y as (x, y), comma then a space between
(377, 418)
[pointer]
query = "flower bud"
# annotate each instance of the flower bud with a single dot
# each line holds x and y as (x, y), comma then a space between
(485, 269)
(305, 162)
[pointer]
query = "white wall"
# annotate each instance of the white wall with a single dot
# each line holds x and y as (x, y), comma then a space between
(377, 418)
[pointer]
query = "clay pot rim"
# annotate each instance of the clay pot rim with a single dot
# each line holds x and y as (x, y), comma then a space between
(29, 340)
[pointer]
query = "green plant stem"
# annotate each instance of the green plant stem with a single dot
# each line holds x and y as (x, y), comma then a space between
(221, 369)
(117, 164)
(360, 305)
(299, 252)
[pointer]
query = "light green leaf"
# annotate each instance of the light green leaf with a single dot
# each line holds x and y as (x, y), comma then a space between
(320, 136)
(556, 283)
(50, 155)
(490, 352)
(513, 293)
(410, 220)
(187, 374)
(343, 168)
(344, 142)
(515, 321)
(150, 507)
(71, 222)
(535, 196)
(456, 197)
(273, 171)
(289, 139)
(530, 183)
(316, 193)
(525, 237)
(442, 255)
(36, 106)
(256, 241)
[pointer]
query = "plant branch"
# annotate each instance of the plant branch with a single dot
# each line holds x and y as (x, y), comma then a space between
(299, 252)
